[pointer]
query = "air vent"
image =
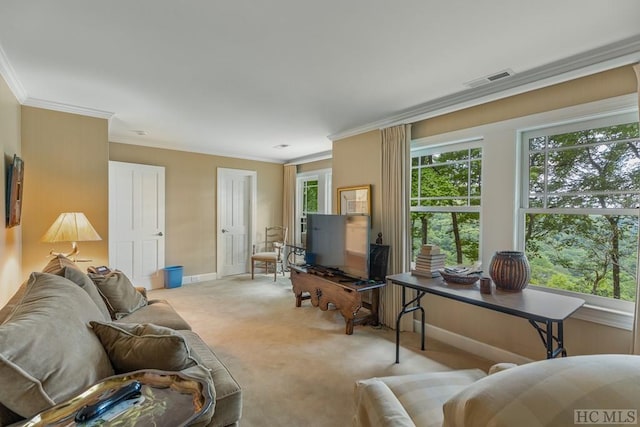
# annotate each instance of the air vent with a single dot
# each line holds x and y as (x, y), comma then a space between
(490, 78)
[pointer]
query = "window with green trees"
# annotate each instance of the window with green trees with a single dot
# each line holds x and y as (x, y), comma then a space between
(309, 201)
(445, 200)
(580, 201)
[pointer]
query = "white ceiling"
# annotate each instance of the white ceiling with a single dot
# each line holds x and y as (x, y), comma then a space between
(239, 77)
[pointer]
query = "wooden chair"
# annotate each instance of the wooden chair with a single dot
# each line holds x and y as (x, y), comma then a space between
(272, 252)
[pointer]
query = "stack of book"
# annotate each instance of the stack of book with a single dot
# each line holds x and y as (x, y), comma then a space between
(429, 261)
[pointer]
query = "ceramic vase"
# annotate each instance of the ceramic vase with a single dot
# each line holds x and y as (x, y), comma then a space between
(510, 270)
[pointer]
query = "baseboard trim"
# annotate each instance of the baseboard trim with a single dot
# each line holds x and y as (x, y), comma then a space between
(470, 345)
(196, 278)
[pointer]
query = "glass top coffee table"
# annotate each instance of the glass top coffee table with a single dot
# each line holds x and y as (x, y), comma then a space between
(166, 399)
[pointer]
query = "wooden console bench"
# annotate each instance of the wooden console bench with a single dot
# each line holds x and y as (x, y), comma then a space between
(344, 293)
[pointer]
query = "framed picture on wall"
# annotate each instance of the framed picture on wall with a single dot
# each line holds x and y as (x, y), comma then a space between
(15, 175)
(354, 200)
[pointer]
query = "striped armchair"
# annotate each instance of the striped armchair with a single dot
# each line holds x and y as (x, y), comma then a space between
(555, 392)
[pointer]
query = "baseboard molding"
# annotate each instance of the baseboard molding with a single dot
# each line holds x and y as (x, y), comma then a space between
(470, 345)
(196, 278)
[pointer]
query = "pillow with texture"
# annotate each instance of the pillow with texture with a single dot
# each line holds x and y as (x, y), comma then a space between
(58, 264)
(132, 347)
(118, 293)
(87, 285)
(547, 392)
(47, 351)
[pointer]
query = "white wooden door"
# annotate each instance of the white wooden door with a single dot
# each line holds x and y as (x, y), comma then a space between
(236, 213)
(136, 222)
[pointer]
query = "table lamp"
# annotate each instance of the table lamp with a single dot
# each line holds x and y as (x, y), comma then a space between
(71, 227)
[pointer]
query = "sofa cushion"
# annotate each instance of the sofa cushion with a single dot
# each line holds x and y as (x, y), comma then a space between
(119, 293)
(47, 350)
(227, 391)
(546, 393)
(58, 263)
(132, 347)
(158, 312)
(81, 279)
(421, 396)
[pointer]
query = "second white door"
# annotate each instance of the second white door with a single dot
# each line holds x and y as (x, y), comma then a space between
(236, 213)
(136, 222)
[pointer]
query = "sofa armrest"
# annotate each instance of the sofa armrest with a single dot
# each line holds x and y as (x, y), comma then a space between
(142, 291)
(377, 406)
(498, 367)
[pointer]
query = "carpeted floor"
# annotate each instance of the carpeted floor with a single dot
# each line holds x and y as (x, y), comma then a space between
(296, 366)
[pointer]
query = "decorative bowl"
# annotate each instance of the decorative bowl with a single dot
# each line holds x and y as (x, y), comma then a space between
(460, 278)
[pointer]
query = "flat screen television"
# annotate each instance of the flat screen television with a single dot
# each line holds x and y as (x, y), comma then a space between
(339, 242)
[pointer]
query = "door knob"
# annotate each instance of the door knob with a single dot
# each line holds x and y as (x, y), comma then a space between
(160, 234)
(224, 230)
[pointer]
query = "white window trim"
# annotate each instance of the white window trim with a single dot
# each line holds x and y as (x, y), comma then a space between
(420, 148)
(602, 310)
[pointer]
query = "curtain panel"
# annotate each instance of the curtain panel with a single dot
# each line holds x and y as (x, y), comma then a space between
(395, 192)
(635, 343)
(289, 204)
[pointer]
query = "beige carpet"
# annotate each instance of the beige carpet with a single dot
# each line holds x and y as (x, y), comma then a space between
(296, 366)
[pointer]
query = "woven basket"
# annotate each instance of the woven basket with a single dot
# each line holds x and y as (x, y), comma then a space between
(460, 279)
(510, 270)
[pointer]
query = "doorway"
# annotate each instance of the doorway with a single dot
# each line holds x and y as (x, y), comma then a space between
(136, 222)
(236, 214)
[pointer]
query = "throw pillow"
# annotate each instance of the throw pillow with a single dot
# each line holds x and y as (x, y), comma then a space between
(143, 346)
(57, 265)
(47, 352)
(119, 293)
(82, 280)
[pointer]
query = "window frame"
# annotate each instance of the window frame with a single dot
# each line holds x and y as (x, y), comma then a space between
(323, 176)
(608, 311)
(418, 150)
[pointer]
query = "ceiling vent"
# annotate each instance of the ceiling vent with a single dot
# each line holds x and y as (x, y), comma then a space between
(490, 78)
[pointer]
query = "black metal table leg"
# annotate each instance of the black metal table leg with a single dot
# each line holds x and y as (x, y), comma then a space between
(547, 337)
(406, 308)
(561, 339)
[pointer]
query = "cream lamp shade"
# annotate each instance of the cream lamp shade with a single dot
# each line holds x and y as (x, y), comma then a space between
(71, 227)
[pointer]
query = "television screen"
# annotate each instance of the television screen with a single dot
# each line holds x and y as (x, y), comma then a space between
(340, 242)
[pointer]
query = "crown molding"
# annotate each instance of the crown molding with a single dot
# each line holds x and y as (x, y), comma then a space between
(67, 108)
(623, 52)
(310, 158)
(9, 74)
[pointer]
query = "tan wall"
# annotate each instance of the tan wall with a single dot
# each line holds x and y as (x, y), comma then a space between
(608, 84)
(66, 170)
(314, 166)
(191, 200)
(10, 238)
(499, 330)
(358, 161)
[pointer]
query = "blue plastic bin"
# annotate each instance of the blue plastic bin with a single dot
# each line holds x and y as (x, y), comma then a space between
(173, 276)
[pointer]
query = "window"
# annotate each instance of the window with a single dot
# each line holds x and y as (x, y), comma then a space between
(579, 208)
(445, 200)
(314, 189)
(309, 201)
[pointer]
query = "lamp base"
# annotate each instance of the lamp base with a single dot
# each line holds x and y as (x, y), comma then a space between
(71, 255)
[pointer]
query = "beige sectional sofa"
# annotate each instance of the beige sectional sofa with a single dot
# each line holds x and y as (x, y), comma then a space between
(64, 330)
(594, 389)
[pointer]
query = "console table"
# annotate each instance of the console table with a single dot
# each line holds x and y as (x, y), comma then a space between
(541, 309)
(323, 287)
